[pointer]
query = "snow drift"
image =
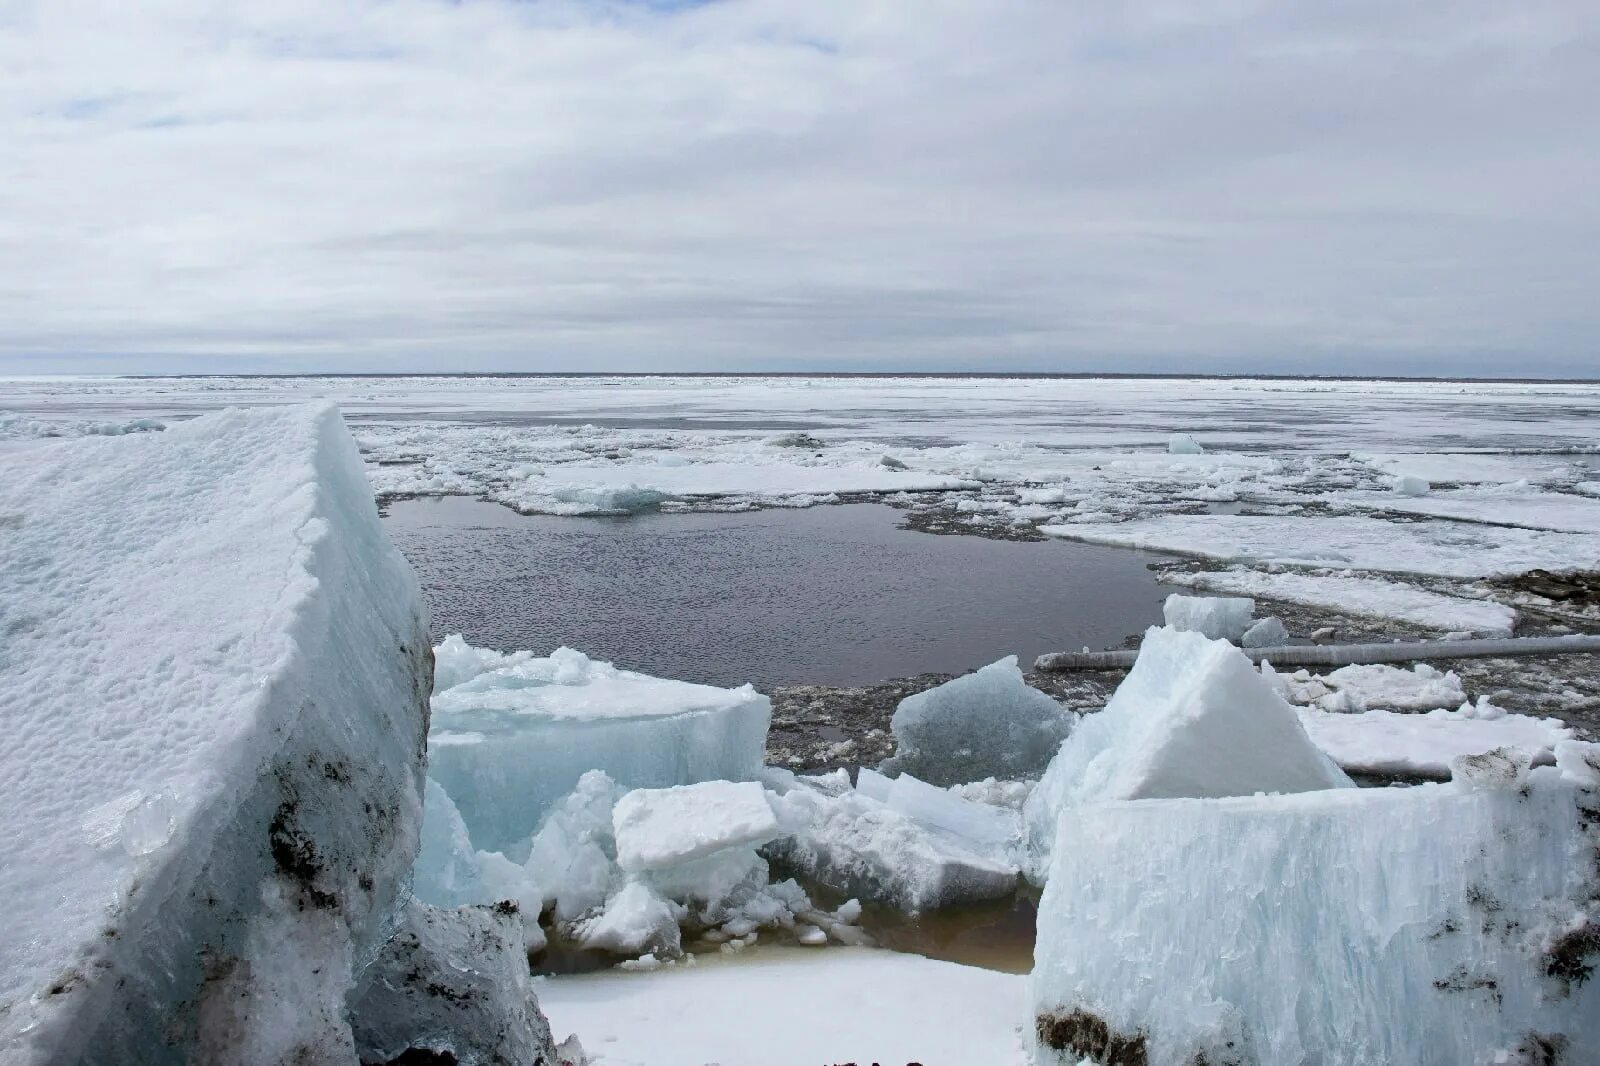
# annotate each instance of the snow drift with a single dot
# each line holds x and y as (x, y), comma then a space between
(214, 684)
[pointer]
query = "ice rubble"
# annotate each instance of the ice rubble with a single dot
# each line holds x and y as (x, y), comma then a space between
(452, 982)
(1217, 617)
(1357, 687)
(1192, 718)
(1368, 596)
(984, 724)
(214, 685)
(513, 733)
(1353, 926)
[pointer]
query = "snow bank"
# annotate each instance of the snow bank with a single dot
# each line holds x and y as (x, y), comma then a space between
(1383, 742)
(513, 733)
(214, 685)
(988, 723)
(1367, 596)
(452, 982)
(1192, 718)
(1352, 926)
(1217, 617)
(795, 1007)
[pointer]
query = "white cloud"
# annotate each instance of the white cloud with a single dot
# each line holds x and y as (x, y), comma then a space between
(754, 184)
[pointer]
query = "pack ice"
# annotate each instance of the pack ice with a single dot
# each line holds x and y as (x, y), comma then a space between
(1443, 925)
(513, 733)
(1192, 718)
(214, 685)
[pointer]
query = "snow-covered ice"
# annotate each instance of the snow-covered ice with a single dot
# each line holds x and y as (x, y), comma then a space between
(795, 1007)
(1216, 617)
(1386, 742)
(1192, 718)
(658, 827)
(1439, 925)
(452, 982)
(982, 827)
(1364, 596)
(1359, 686)
(988, 723)
(214, 685)
(513, 733)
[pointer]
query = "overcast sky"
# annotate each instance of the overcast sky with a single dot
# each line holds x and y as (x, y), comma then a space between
(1344, 187)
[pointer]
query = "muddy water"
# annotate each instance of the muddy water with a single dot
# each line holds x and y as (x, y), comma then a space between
(836, 595)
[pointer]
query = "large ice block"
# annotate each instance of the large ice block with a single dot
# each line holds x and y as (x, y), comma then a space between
(1441, 925)
(988, 723)
(513, 733)
(1218, 617)
(214, 690)
(1192, 718)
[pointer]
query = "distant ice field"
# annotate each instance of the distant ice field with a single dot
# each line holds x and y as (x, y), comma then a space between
(1430, 488)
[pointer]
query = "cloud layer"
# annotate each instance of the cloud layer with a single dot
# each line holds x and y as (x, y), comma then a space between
(799, 184)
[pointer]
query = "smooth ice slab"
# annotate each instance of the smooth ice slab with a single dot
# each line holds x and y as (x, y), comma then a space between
(513, 733)
(1367, 596)
(659, 827)
(989, 723)
(1192, 718)
(795, 1007)
(1384, 742)
(213, 685)
(1440, 925)
(1217, 617)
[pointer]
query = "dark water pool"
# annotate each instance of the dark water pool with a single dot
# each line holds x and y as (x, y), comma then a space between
(828, 595)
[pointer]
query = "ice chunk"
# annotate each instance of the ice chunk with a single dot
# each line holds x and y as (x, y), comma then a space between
(1354, 688)
(663, 826)
(984, 829)
(1192, 718)
(1579, 762)
(1218, 617)
(451, 983)
(988, 723)
(1386, 742)
(573, 854)
(860, 847)
(512, 738)
(213, 682)
(1269, 632)
(635, 920)
(1183, 444)
(1373, 925)
(1410, 485)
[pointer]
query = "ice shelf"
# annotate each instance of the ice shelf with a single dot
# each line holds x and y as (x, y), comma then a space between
(1439, 925)
(214, 684)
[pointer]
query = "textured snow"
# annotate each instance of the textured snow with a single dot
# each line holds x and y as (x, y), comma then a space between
(214, 672)
(795, 1007)
(665, 826)
(1192, 718)
(456, 982)
(513, 733)
(1359, 686)
(1446, 549)
(988, 723)
(1216, 617)
(1366, 596)
(1352, 926)
(1386, 742)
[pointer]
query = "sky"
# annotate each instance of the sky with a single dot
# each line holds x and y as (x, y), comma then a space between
(745, 185)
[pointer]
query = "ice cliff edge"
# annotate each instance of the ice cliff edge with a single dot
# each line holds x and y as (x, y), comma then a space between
(214, 681)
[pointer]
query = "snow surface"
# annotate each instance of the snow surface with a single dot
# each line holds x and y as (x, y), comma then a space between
(1192, 718)
(656, 827)
(215, 670)
(1351, 926)
(795, 1007)
(1386, 742)
(1366, 596)
(513, 733)
(984, 724)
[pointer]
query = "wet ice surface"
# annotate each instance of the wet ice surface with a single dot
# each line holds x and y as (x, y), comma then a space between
(835, 595)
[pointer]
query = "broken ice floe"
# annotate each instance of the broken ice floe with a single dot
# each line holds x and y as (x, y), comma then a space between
(1443, 924)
